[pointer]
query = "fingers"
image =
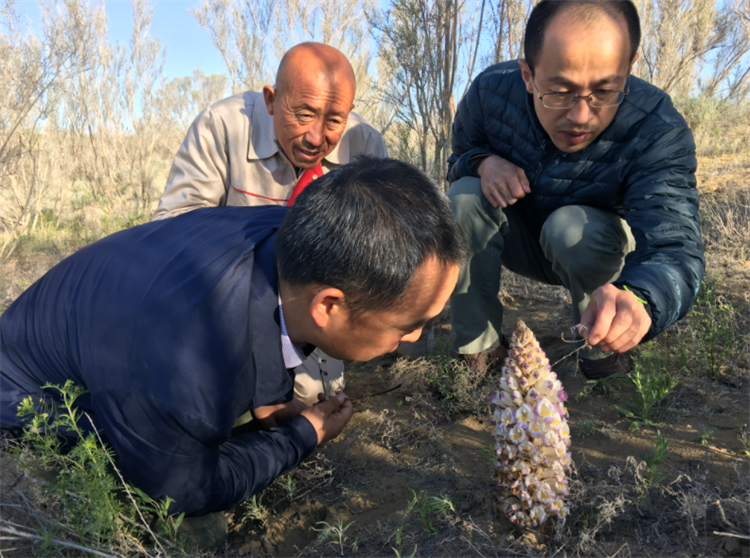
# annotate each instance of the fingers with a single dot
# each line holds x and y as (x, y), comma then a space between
(330, 417)
(273, 415)
(503, 183)
(616, 319)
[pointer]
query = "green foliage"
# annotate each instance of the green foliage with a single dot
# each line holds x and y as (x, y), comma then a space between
(650, 389)
(584, 428)
(431, 508)
(97, 505)
(611, 386)
(653, 460)
(744, 438)
(714, 320)
(334, 535)
(705, 436)
(289, 485)
(254, 510)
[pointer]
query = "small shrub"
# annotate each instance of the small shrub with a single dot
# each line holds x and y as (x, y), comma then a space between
(97, 506)
(654, 460)
(718, 337)
(650, 389)
(705, 436)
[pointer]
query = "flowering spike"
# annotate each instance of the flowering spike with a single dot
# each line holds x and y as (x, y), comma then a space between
(532, 436)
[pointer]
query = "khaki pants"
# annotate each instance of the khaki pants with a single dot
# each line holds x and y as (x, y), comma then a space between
(580, 247)
(318, 374)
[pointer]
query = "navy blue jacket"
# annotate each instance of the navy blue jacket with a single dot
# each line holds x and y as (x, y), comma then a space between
(173, 327)
(641, 167)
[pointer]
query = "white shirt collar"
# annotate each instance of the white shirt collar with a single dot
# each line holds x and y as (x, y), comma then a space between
(291, 352)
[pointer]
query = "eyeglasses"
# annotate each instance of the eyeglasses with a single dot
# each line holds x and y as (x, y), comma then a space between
(597, 99)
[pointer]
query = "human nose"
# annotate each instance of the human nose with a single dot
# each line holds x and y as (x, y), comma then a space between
(314, 134)
(580, 112)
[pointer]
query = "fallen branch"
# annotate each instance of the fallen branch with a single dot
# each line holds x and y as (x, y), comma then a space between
(23, 535)
(744, 537)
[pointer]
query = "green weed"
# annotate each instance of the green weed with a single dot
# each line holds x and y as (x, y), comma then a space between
(254, 510)
(584, 428)
(289, 485)
(334, 535)
(653, 460)
(744, 439)
(705, 436)
(650, 389)
(714, 320)
(97, 505)
(432, 508)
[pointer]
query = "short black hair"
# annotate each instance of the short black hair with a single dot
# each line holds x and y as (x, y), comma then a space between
(546, 10)
(364, 228)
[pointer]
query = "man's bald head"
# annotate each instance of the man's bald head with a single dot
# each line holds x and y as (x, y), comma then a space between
(310, 102)
(315, 58)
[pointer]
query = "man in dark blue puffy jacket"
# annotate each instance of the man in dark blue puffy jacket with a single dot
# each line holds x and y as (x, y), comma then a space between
(568, 170)
(177, 328)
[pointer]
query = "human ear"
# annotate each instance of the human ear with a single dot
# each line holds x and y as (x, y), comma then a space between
(632, 63)
(269, 96)
(526, 75)
(327, 306)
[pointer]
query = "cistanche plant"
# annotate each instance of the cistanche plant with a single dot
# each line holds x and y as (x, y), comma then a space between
(532, 437)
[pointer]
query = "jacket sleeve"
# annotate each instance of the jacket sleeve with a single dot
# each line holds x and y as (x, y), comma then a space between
(468, 134)
(667, 266)
(200, 172)
(166, 452)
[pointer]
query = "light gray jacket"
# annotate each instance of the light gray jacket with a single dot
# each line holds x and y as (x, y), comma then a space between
(230, 157)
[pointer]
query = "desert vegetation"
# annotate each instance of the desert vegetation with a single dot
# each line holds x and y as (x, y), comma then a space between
(660, 459)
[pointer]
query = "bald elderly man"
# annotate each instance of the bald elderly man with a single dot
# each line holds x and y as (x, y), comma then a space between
(264, 148)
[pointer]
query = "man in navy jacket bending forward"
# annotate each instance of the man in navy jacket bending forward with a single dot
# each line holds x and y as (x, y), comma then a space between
(178, 327)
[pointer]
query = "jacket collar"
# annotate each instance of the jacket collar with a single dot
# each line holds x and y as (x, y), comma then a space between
(262, 142)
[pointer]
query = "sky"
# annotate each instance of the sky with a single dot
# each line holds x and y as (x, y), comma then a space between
(187, 45)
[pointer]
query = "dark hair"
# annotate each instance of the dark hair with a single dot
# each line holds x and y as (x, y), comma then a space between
(546, 10)
(364, 228)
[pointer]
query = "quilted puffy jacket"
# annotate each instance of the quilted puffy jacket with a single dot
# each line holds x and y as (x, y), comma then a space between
(641, 167)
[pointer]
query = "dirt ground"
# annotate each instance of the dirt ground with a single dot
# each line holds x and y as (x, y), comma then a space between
(400, 443)
(367, 493)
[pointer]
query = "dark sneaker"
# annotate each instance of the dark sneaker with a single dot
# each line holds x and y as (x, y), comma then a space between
(486, 360)
(616, 363)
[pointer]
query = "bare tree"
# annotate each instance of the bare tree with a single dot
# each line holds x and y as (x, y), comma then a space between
(427, 41)
(507, 20)
(182, 99)
(240, 29)
(113, 135)
(731, 63)
(680, 36)
(31, 71)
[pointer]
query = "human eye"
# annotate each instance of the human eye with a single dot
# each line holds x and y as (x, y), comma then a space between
(334, 123)
(604, 94)
(304, 116)
(560, 99)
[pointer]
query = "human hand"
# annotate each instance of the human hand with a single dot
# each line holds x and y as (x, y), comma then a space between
(273, 415)
(329, 417)
(615, 319)
(503, 183)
